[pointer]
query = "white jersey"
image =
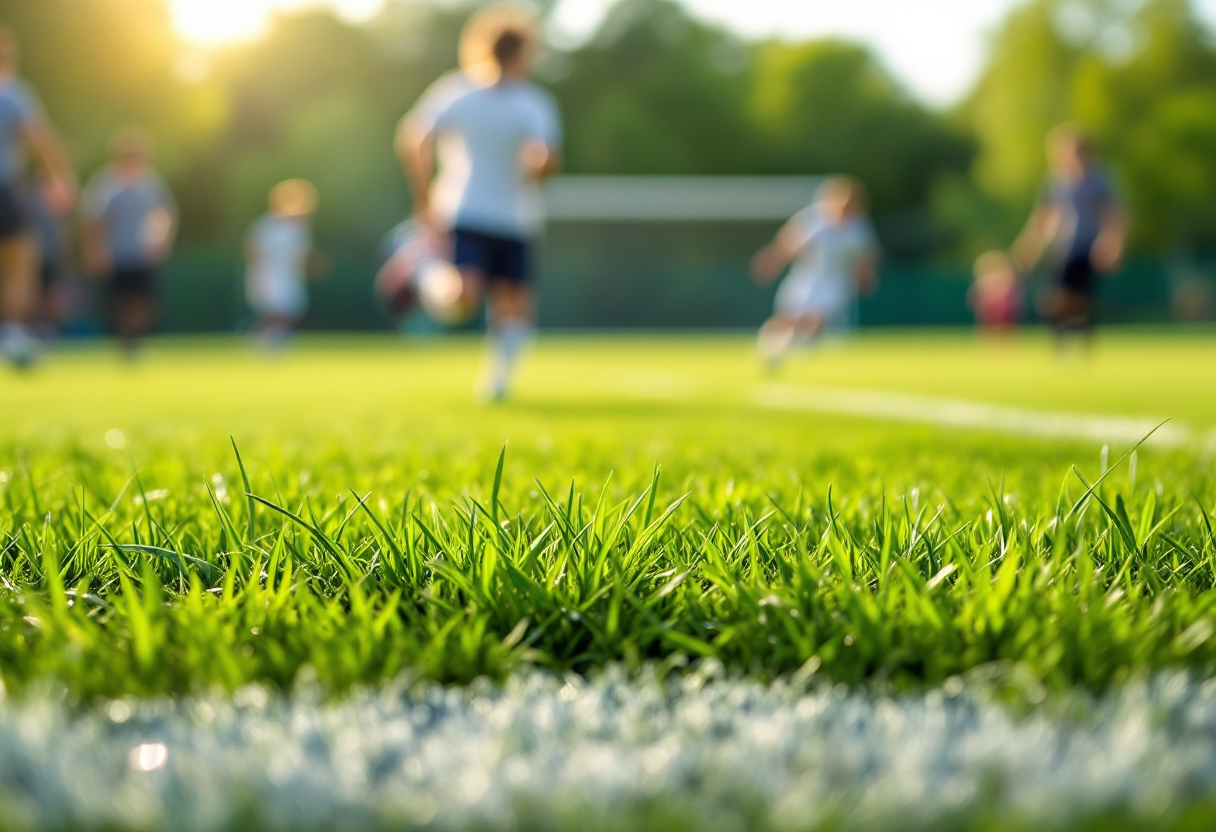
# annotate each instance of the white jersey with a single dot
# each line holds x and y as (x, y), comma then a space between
(279, 248)
(453, 160)
(491, 126)
(823, 279)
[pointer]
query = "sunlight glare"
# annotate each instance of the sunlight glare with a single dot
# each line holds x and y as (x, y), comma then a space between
(215, 22)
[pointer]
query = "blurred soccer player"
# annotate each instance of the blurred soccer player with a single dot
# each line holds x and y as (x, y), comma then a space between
(495, 143)
(1082, 227)
(996, 295)
(23, 127)
(55, 255)
(129, 223)
(831, 253)
(277, 253)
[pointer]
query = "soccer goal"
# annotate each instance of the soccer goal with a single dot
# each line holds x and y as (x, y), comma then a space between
(661, 252)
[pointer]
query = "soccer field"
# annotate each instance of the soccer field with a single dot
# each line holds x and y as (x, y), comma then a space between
(913, 579)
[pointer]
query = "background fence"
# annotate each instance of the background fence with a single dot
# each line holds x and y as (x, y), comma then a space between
(661, 253)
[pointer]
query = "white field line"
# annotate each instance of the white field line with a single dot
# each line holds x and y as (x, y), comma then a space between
(566, 753)
(958, 413)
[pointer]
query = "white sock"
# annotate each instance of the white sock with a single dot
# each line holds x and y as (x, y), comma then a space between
(509, 341)
(775, 342)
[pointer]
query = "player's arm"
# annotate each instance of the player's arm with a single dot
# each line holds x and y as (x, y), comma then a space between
(1035, 237)
(93, 244)
(772, 260)
(163, 225)
(416, 150)
(542, 154)
(52, 158)
(866, 273)
(1108, 249)
(542, 161)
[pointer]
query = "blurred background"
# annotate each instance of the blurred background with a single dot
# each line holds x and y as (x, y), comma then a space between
(940, 106)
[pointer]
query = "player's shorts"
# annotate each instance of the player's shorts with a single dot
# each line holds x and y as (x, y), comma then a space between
(15, 215)
(801, 295)
(498, 258)
(1077, 274)
(134, 283)
(283, 298)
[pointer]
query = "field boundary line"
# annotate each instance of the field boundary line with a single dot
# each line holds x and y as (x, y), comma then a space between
(960, 413)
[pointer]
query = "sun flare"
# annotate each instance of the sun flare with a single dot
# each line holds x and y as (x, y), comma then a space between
(217, 22)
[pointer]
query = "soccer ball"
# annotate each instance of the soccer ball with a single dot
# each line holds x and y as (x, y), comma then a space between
(418, 274)
(443, 294)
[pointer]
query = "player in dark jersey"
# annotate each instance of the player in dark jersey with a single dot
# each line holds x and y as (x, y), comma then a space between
(1081, 227)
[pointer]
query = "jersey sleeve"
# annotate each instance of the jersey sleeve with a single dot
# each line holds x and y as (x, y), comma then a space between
(436, 101)
(546, 121)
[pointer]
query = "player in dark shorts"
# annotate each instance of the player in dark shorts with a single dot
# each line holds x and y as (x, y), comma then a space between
(1082, 227)
(509, 135)
(55, 249)
(23, 128)
(130, 220)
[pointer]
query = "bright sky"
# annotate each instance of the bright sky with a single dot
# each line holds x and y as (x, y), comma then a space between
(935, 46)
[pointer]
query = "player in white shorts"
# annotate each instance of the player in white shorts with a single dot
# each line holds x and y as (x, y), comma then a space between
(277, 251)
(831, 252)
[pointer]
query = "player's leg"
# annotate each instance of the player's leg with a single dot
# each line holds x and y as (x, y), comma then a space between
(777, 336)
(1071, 310)
(18, 296)
(50, 313)
(512, 312)
(133, 306)
(275, 329)
(809, 326)
(472, 256)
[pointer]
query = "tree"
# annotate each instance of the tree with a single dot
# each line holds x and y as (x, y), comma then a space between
(1140, 77)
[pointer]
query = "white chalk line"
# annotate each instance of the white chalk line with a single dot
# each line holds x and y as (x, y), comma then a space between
(959, 413)
(927, 410)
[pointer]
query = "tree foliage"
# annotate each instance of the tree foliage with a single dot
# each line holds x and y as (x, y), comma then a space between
(654, 91)
(1139, 76)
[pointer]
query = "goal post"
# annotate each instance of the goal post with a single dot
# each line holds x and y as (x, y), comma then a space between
(661, 252)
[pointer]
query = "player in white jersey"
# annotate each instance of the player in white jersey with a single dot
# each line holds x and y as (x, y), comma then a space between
(277, 252)
(23, 127)
(495, 143)
(831, 253)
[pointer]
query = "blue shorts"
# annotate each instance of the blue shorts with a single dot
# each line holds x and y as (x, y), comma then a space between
(498, 258)
(1077, 274)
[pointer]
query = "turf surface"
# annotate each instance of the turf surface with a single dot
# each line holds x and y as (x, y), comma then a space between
(650, 508)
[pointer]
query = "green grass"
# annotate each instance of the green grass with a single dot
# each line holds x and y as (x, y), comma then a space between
(647, 510)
